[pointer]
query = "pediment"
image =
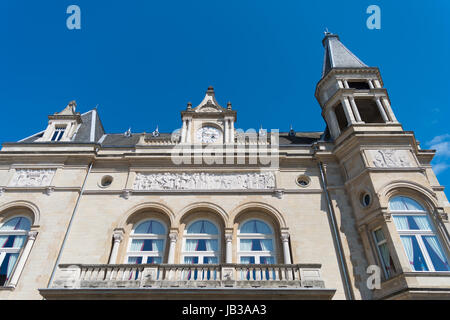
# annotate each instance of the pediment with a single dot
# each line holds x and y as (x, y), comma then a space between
(209, 107)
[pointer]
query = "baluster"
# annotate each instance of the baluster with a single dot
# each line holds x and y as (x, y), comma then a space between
(258, 273)
(83, 273)
(282, 273)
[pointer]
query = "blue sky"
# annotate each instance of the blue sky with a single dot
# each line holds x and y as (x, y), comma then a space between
(142, 61)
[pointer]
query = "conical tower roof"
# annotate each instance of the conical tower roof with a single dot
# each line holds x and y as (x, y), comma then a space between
(337, 55)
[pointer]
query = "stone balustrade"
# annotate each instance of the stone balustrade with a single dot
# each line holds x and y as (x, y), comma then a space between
(77, 276)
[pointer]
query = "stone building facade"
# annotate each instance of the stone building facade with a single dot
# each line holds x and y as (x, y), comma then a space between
(210, 211)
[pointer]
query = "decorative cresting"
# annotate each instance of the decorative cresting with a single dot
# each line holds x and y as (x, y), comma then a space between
(32, 177)
(389, 158)
(204, 181)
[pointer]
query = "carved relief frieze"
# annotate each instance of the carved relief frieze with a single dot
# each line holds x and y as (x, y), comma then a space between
(390, 158)
(204, 181)
(32, 177)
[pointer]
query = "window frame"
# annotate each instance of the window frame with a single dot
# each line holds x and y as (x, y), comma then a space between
(201, 236)
(58, 133)
(418, 234)
(17, 251)
(146, 236)
(378, 244)
(256, 254)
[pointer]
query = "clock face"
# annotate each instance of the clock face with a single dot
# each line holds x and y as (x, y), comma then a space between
(208, 134)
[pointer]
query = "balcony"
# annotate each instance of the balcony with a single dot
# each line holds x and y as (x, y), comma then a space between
(187, 281)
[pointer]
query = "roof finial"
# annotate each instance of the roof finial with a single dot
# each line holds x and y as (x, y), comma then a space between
(291, 131)
(156, 132)
(326, 32)
(127, 133)
(229, 105)
(189, 105)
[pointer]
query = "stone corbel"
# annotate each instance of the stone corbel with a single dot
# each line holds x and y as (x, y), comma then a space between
(279, 193)
(126, 194)
(386, 214)
(2, 191)
(440, 212)
(49, 190)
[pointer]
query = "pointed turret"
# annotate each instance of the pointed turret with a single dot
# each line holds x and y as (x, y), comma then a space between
(337, 55)
(350, 93)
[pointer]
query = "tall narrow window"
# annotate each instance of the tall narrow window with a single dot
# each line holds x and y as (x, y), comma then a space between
(201, 243)
(383, 253)
(13, 235)
(59, 132)
(147, 243)
(418, 237)
(256, 243)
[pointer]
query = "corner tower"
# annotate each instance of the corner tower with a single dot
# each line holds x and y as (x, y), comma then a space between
(350, 93)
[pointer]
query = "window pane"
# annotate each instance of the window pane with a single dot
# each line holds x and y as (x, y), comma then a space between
(379, 235)
(201, 245)
(436, 254)
(135, 260)
(154, 260)
(18, 223)
(404, 222)
(191, 260)
(210, 260)
(414, 254)
(150, 227)
(404, 204)
(267, 260)
(202, 227)
(248, 260)
(7, 266)
(255, 226)
(147, 245)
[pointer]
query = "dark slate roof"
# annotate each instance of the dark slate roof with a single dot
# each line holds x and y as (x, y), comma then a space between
(122, 140)
(337, 55)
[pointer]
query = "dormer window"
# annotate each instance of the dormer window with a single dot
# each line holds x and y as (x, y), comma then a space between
(59, 132)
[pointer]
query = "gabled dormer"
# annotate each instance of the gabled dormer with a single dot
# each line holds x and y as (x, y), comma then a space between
(209, 122)
(350, 93)
(62, 125)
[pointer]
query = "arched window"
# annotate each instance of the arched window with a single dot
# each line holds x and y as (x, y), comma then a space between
(256, 243)
(147, 243)
(417, 234)
(201, 243)
(13, 234)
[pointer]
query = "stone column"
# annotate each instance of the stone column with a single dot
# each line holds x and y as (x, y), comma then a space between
(286, 249)
(381, 109)
(188, 130)
(333, 123)
(183, 132)
(346, 84)
(232, 131)
(173, 236)
(348, 111)
(225, 130)
(386, 103)
(355, 109)
(23, 258)
(229, 248)
(371, 86)
(117, 237)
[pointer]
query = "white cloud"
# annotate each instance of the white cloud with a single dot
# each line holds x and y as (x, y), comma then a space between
(440, 138)
(442, 146)
(440, 167)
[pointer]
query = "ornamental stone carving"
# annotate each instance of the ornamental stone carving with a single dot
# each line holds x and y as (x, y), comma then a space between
(32, 177)
(204, 181)
(389, 158)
